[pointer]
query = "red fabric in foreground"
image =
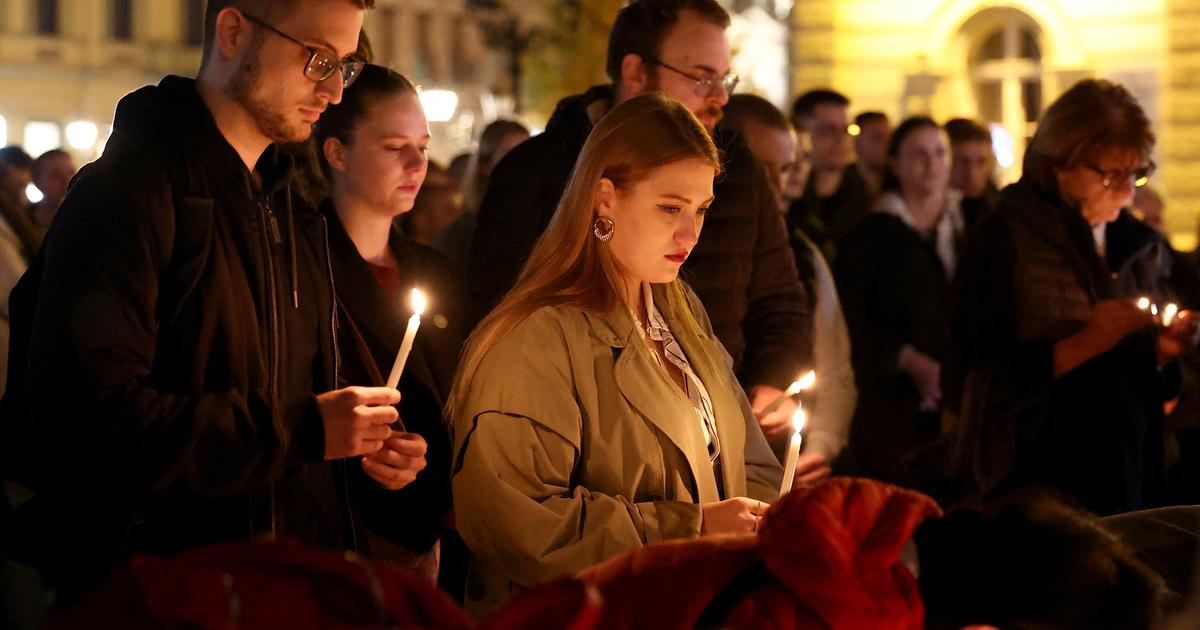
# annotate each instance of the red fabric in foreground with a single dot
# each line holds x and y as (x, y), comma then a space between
(832, 553)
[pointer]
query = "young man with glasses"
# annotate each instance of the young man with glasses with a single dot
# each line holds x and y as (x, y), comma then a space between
(742, 269)
(174, 336)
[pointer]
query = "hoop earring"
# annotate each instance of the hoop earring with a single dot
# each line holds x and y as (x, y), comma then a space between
(603, 228)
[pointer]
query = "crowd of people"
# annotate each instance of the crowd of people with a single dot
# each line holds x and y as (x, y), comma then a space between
(201, 331)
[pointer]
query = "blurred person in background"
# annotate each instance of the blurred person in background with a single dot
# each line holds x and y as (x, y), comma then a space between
(870, 147)
(972, 168)
(894, 279)
(497, 139)
(1056, 377)
(52, 173)
(437, 206)
(835, 198)
(772, 139)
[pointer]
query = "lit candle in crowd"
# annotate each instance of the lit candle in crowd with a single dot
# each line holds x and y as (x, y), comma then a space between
(414, 322)
(793, 451)
(1169, 313)
(803, 383)
(1143, 303)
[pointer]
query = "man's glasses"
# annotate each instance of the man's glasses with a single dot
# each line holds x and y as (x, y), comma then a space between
(705, 86)
(321, 65)
(1112, 177)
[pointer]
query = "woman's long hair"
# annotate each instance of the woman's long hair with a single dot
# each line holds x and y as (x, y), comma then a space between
(913, 124)
(571, 268)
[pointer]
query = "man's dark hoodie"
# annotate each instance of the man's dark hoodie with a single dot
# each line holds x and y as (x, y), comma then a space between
(742, 269)
(166, 344)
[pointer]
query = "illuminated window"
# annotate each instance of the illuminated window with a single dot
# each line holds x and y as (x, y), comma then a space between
(46, 12)
(42, 136)
(1006, 69)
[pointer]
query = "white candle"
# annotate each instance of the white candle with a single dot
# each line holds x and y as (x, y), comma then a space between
(1169, 313)
(803, 383)
(414, 322)
(793, 451)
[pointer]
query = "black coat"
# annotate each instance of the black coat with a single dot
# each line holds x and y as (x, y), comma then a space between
(828, 221)
(895, 292)
(371, 325)
(168, 341)
(1030, 277)
(742, 269)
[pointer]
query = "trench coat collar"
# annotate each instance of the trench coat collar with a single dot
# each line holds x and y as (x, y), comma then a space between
(649, 391)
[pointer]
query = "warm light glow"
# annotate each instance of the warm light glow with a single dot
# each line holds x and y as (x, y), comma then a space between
(1002, 145)
(808, 380)
(3, 131)
(41, 136)
(33, 194)
(853, 130)
(439, 105)
(1169, 313)
(418, 302)
(799, 418)
(82, 135)
(1143, 303)
(1141, 181)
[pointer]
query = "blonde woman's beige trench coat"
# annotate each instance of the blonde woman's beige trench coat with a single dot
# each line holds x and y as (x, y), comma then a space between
(573, 446)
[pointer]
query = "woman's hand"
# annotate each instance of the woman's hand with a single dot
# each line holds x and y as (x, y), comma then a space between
(396, 464)
(1178, 338)
(1111, 321)
(811, 467)
(926, 373)
(738, 515)
(778, 421)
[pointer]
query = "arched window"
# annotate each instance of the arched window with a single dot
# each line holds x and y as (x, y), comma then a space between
(1006, 70)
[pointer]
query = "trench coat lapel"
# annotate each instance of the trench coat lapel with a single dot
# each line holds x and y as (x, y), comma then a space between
(646, 388)
(725, 403)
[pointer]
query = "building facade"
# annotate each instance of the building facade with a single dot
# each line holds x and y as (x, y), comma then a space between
(65, 64)
(1003, 62)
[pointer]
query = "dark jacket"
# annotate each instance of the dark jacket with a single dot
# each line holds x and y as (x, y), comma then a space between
(827, 221)
(1030, 278)
(742, 268)
(895, 292)
(169, 338)
(371, 325)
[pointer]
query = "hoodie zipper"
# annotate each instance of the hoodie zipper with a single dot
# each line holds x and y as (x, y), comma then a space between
(337, 366)
(270, 233)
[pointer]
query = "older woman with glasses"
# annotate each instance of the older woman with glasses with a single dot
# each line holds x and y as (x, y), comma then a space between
(1056, 375)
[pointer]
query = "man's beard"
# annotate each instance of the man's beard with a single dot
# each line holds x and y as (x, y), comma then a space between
(272, 122)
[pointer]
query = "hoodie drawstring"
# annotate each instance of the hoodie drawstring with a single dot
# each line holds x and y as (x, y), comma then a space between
(291, 224)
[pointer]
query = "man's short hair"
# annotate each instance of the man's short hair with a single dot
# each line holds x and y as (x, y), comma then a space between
(866, 118)
(270, 11)
(810, 100)
(15, 157)
(43, 160)
(641, 27)
(743, 109)
(964, 130)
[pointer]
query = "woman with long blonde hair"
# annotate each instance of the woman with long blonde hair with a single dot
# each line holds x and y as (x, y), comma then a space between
(594, 410)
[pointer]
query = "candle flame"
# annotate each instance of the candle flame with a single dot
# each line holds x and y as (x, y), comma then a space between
(808, 380)
(1169, 313)
(799, 419)
(418, 302)
(1143, 303)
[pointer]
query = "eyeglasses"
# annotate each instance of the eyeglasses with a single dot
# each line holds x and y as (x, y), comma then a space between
(1112, 177)
(705, 86)
(321, 65)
